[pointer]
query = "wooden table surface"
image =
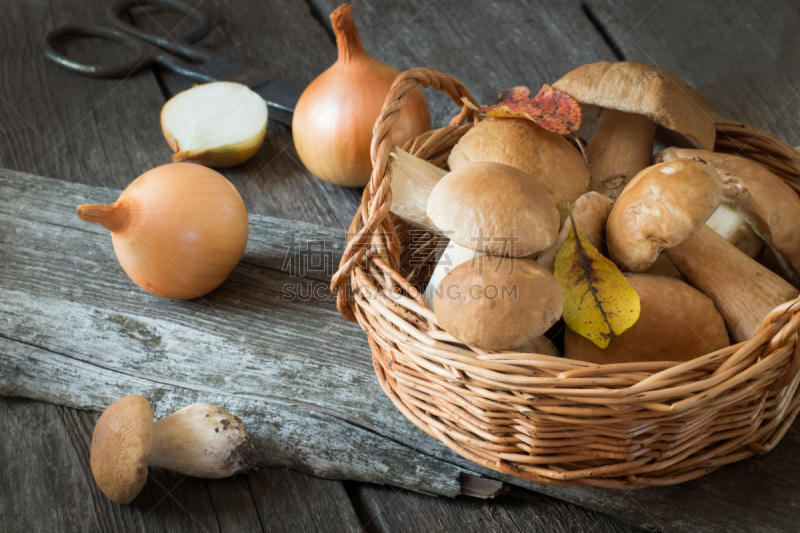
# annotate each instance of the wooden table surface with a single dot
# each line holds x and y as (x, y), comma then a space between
(742, 56)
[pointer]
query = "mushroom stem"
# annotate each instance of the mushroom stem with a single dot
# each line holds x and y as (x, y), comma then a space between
(452, 256)
(413, 179)
(620, 147)
(743, 291)
(591, 214)
(202, 440)
(733, 228)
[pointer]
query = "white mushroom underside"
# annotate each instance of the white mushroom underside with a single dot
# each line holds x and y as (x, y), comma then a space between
(214, 115)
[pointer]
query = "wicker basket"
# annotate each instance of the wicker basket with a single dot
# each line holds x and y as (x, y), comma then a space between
(547, 419)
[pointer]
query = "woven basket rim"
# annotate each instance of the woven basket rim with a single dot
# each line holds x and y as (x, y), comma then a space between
(468, 398)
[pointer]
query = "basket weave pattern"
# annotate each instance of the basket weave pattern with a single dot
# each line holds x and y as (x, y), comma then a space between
(547, 419)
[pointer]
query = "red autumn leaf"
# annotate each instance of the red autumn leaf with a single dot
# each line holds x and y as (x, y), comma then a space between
(551, 109)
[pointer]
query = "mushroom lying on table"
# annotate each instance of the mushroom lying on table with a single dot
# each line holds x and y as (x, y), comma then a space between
(200, 440)
(676, 323)
(665, 207)
(761, 198)
(634, 98)
(522, 144)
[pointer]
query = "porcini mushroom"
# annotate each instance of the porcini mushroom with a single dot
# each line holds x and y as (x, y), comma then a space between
(498, 303)
(454, 255)
(522, 144)
(200, 440)
(590, 212)
(634, 98)
(494, 209)
(665, 208)
(760, 197)
(676, 323)
(487, 207)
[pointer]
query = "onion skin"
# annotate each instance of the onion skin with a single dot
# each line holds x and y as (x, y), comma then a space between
(333, 120)
(178, 230)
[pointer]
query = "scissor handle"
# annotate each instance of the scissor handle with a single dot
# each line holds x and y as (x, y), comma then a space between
(177, 44)
(141, 60)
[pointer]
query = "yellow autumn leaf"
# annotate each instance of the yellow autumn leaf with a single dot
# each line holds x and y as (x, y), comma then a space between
(599, 303)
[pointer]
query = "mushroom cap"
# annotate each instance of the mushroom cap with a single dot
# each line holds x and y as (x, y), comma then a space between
(494, 208)
(646, 90)
(498, 303)
(121, 444)
(761, 198)
(522, 144)
(662, 206)
(676, 323)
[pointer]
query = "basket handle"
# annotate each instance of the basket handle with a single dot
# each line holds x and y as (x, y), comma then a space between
(377, 198)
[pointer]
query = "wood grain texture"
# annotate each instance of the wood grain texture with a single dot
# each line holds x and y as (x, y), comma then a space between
(102, 132)
(58, 494)
(384, 509)
(118, 141)
(304, 385)
(55, 122)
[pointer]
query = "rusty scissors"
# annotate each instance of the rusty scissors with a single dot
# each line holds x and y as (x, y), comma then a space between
(175, 53)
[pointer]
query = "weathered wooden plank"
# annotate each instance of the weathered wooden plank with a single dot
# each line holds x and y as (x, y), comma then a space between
(389, 509)
(61, 487)
(55, 122)
(298, 374)
(284, 39)
(306, 362)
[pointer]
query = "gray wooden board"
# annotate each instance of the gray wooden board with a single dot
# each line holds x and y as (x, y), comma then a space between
(97, 151)
(303, 384)
(68, 500)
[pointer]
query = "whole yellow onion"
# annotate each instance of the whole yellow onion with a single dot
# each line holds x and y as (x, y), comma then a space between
(178, 230)
(333, 120)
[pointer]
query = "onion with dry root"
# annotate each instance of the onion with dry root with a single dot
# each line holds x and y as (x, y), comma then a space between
(217, 124)
(333, 120)
(178, 230)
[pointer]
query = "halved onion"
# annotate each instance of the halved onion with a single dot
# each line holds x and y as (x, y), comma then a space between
(218, 124)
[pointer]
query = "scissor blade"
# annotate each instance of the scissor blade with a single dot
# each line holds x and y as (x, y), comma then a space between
(281, 97)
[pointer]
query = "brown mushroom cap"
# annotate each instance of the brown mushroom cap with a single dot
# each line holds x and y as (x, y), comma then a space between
(660, 208)
(121, 444)
(494, 208)
(760, 197)
(676, 323)
(522, 144)
(643, 89)
(498, 303)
